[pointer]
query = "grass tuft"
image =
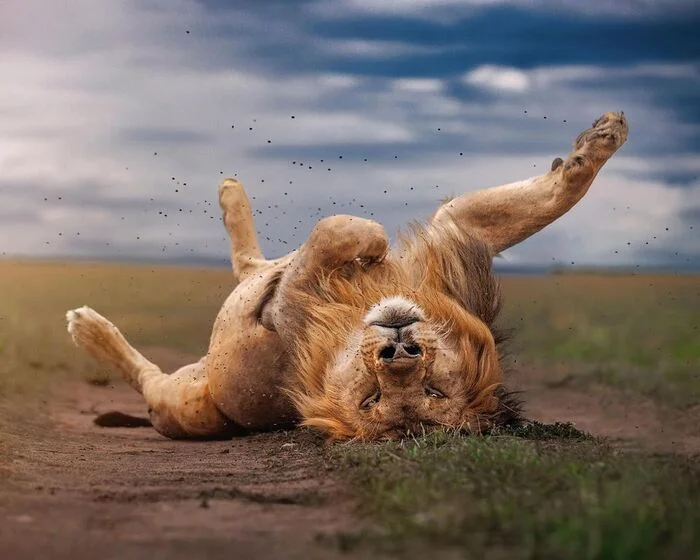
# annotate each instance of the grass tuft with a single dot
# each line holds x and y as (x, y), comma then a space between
(541, 492)
(538, 431)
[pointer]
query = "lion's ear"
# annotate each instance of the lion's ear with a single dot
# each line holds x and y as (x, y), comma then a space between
(505, 410)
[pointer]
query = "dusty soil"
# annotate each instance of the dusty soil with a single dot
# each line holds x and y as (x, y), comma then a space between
(78, 490)
(630, 421)
(83, 491)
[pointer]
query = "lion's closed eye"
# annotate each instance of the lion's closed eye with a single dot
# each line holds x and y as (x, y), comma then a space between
(371, 401)
(434, 393)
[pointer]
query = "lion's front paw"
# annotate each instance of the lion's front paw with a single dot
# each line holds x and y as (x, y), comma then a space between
(594, 146)
(375, 243)
(606, 135)
(341, 238)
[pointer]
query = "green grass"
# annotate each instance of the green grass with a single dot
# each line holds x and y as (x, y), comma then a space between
(539, 493)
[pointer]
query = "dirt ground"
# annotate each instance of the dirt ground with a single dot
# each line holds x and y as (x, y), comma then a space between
(78, 490)
(629, 420)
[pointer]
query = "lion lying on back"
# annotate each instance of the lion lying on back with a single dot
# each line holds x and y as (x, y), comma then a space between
(353, 339)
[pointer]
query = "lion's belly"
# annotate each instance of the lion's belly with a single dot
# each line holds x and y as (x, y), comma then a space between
(246, 381)
(247, 364)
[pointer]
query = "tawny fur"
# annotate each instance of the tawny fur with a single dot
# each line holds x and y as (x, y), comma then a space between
(434, 269)
(295, 342)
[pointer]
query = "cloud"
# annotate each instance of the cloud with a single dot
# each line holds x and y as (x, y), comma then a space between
(417, 85)
(508, 79)
(499, 78)
(373, 48)
(438, 9)
(125, 123)
(672, 171)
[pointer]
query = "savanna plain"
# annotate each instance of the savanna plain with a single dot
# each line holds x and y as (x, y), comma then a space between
(608, 366)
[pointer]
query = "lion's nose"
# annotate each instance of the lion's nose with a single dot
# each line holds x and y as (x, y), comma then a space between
(399, 351)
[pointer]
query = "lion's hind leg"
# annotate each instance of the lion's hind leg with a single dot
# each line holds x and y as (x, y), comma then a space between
(246, 255)
(105, 343)
(179, 405)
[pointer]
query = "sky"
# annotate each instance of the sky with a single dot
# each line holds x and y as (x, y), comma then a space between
(119, 118)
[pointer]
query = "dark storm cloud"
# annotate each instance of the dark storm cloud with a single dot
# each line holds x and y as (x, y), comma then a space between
(151, 88)
(504, 36)
(512, 36)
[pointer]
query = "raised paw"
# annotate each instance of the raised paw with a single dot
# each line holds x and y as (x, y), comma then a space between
(593, 147)
(231, 193)
(374, 243)
(103, 341)
(603, 139)
(343, 238)
(87, 327)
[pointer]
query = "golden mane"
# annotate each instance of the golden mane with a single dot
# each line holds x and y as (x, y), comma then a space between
(454, 282)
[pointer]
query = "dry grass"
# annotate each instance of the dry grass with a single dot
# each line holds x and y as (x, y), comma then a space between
(638, 333)
(165, 306)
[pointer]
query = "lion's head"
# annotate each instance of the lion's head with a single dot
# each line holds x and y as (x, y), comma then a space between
(404, 346)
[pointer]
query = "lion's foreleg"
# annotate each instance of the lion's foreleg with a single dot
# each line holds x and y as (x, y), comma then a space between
(334, 241)
(509, 214)
(104, 342)
(341, 239)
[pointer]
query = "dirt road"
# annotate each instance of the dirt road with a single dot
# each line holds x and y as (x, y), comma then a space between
(78, 490)
(631, 421)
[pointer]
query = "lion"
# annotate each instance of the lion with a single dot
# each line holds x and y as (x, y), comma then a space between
(351, 337)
